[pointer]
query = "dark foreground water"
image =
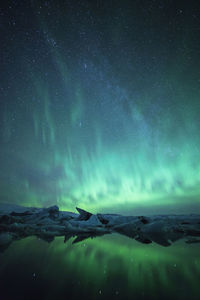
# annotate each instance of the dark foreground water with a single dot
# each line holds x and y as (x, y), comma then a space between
(110, 267)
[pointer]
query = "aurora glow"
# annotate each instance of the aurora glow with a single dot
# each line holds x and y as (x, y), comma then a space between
(105, 267)
(98, 112)
(99, 108)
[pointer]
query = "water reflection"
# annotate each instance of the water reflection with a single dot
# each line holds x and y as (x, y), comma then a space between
(106, 267)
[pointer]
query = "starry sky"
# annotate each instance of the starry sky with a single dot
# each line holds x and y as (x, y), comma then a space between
(100, 104)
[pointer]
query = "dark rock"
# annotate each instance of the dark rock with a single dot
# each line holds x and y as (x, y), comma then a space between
(83, 214)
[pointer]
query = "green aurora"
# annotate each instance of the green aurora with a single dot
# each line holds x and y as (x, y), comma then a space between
(119, 159)
(85, 124)
(108, 266)
(150, 161)
(99, 109)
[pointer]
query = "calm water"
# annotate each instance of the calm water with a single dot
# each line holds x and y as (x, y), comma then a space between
(110, 267)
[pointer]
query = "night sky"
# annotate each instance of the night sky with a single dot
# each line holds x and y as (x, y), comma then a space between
(100, 104)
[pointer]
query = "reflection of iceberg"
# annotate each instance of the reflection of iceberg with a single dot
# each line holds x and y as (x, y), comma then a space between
(18, 222)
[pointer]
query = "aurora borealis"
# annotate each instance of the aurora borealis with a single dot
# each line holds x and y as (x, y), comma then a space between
(99, 109)
(100, 105)
(104, 268)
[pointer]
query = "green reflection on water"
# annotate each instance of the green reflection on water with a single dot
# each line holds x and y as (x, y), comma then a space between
(112, 266)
